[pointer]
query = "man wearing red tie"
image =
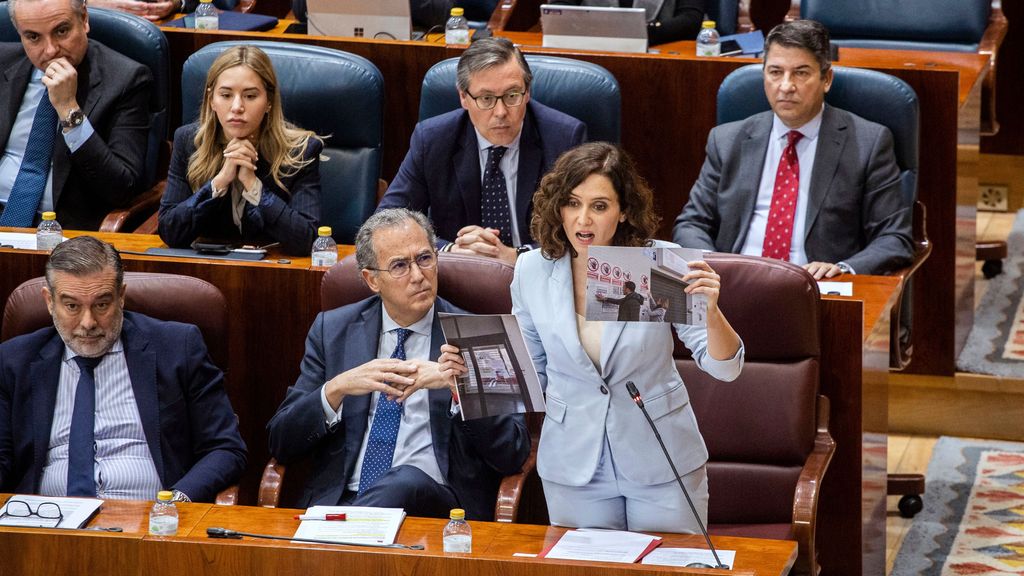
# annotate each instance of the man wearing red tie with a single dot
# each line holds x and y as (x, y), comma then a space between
(804, 182)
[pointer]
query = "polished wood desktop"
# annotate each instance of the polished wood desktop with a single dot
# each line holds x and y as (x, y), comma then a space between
(45, 552)
(668, 109)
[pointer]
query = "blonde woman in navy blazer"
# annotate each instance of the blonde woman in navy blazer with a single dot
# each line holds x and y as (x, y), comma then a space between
(598, 458)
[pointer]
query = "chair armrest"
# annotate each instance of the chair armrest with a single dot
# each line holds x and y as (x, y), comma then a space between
(270, 484)
(382, 188)
(794, 11)
(227, 496)
(510, 492)
(990, 42)
(808, 486)
(246, 6)
(743, 21)
(500, 17)
(900, 352)
(141, 208)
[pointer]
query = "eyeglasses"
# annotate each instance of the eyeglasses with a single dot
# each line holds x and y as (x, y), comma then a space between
(399, 268)
(488, 101)
(44, 510)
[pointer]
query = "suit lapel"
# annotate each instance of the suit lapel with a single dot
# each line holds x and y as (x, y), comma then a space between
(531, 160)
(831, 141)
(359, 348)
(46, 376)
(141, 362)
(12, 91)
(748, 179)
(559, 289)
(466, 163)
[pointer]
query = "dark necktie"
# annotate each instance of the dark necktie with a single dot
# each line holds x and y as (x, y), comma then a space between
(494, 210)
(778, 233)
(81, 442)
(380, 447)
(30, 182)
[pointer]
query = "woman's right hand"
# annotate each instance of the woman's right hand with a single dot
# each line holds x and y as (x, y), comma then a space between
(238, 154)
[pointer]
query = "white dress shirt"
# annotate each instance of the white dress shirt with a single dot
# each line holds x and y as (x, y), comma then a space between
(806, 148)
(17, 141)
(414, 445)
(125, 469)
(510, 168)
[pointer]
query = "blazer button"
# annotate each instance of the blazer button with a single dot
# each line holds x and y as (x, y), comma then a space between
(603, 389)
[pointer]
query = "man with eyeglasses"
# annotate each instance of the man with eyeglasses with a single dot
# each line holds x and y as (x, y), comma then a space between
(475, 169)
(374, 406)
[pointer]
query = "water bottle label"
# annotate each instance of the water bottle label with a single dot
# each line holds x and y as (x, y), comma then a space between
(458, 544)
(709, 49)
(458, 36)
(207, 22)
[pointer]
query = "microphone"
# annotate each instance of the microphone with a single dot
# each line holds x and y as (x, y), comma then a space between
(215, 532)
(635, 394)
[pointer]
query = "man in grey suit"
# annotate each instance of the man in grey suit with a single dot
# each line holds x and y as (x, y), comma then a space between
(804, 182)
(629, 304)
(74, 124)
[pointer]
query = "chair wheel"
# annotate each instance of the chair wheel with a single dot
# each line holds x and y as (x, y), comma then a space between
(992, 268)
(910, 505)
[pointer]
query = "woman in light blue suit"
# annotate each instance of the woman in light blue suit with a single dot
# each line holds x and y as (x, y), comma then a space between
(598, 458)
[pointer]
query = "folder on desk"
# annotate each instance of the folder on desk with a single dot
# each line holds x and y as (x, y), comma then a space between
(231, 21)
(751, 43)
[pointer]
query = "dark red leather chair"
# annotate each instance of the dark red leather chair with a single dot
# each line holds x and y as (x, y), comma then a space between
(767, 431)
(473, 283)
(165, 296)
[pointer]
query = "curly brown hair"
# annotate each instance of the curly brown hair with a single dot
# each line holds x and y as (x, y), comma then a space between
(570, 170)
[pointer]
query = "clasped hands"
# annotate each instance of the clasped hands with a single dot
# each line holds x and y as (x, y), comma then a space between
(240, 157)
(397, 379)
(483, 242)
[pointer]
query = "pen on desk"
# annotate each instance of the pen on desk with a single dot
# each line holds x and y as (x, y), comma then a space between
(327, 517)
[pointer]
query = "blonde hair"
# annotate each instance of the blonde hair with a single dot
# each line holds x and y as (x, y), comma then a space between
(282, 144)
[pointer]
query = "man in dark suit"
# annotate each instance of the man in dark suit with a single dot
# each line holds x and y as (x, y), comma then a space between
(76, 103)
(110, 403)
(629, 304)
(476, 169)
(372, 410)
(804, 182)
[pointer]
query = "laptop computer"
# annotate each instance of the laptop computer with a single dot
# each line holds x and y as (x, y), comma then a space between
(379, 19)
(594, 28)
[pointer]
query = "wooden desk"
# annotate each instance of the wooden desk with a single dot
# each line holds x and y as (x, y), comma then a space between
(670, 108)
(43, 552)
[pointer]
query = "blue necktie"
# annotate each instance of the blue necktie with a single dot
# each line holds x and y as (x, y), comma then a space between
(81, 443)
(35, 168)
(380, 447)
(494, 210)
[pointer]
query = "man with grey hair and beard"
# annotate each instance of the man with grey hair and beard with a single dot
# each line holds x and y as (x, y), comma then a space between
(374, 406)
(111, 404)
(475, 169)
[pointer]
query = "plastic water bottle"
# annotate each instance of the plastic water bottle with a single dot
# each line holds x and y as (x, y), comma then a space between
(325, 250)
(207, 17)
(163, 517)
(457, 535)
(456, 30)
(707, 40)
(49, 233)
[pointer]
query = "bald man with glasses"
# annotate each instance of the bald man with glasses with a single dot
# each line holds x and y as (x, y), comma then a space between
(373, 407)
(475, 169)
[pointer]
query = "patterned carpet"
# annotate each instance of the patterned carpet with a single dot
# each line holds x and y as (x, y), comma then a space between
(996, 343)
(973, 520)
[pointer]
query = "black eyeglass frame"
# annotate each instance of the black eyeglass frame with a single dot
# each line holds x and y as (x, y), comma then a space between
(519, 95)
(7, 511)
(423, 261)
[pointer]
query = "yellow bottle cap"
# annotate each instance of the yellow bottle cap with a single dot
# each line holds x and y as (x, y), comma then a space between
(164, 495)
(324, 231)
(457, 514)
(49, 215)
(458, 11)
(708, 24)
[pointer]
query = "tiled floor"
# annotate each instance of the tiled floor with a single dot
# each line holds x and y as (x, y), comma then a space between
(910, 454)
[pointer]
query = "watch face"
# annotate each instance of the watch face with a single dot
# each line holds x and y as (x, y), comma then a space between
(75, 118)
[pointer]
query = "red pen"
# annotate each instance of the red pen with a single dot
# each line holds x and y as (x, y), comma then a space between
(322, 517)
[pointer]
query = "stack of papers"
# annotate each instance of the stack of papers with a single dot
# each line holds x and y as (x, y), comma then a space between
(362, 525)
(602, 546)
(24, 510)
(685, 556)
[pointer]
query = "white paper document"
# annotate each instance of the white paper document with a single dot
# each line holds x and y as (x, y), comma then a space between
(684, 556)
(836, 288)
(24, 510)
(362, 525)
(20, 240)
(602, 546)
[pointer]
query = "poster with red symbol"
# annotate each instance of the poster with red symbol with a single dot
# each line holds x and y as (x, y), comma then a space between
(613, 293)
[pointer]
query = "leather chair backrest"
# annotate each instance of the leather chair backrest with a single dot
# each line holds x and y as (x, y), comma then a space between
(169, 297)
(143, 42)
(337, 95)
(946, 23)
(585, 91)
(872, 95)
(726, 15)
(474, 283)
(760, 428)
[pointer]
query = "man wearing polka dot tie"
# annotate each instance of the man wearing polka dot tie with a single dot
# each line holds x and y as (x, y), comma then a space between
(804, 182)
(475, 169)
(373, 407)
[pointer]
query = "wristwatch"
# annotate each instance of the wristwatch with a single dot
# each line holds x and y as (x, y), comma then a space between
(179, 496)
(74, 119)
(523, 249)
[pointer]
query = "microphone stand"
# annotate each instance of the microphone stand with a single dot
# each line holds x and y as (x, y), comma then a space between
(234, 534)
(635, 394)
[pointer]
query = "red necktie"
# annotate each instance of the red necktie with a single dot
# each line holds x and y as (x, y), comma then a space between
(778, 235)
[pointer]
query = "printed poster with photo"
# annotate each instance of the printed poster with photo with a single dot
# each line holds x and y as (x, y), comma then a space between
(643, 284)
